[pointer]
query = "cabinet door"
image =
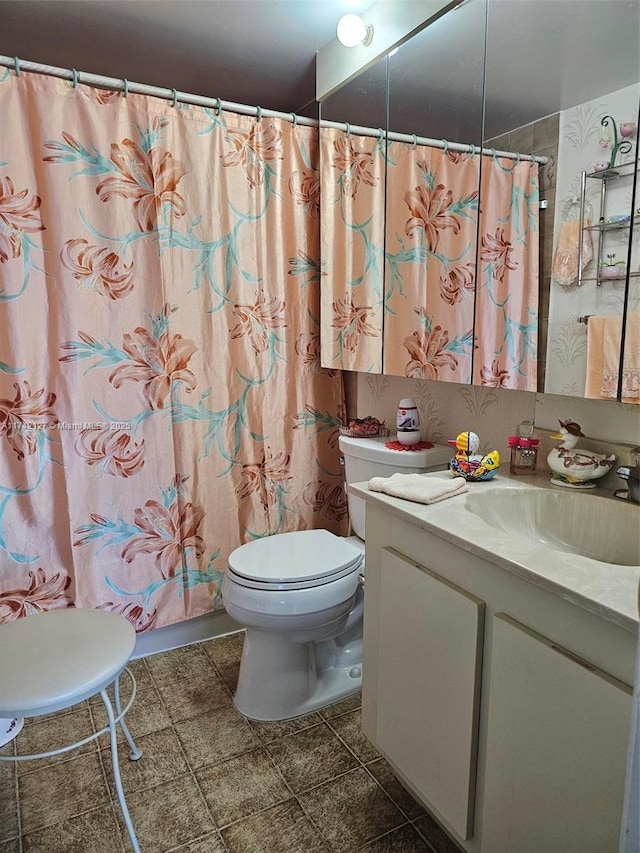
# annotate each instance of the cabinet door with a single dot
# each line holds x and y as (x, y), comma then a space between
(556, 748)
(429, 658)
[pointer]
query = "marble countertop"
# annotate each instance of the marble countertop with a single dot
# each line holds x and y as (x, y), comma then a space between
(609, 591)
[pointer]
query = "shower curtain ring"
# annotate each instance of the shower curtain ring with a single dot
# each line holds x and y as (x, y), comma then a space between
(75, 78)
(445, 145)
(175, 98)
(218, 106)
(473, 149)
(125, 87)
(493, 154)
(518, 157)
(381, 133)
(16, 65)
(259, 114)
(348, 127)
(294, 119)
(415, 141)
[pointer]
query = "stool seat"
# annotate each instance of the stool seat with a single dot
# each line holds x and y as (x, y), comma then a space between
(53, 660)
(50, 661)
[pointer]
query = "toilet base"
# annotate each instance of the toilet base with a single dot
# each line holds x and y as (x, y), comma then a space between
(280, 680)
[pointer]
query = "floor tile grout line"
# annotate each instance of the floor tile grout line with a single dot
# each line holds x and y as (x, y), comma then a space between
(203, 837)
(34, 768)
(193, 774)
(314, 825)
(264, 741)
(343, 741)
(322, 720)
(396, 804)
(432, 849)
(84, 811)
(377, 838)
(217, 671)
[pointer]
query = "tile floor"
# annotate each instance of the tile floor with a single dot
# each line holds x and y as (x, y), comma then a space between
(209, 781)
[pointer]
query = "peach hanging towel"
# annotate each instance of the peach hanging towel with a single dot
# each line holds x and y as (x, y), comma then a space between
(566, 258)
(604, 336)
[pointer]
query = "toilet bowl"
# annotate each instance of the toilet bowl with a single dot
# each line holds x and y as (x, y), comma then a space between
(296, 593)
(300, 597)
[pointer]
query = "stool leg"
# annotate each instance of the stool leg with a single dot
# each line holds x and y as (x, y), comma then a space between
(116, 771)
(135, 753)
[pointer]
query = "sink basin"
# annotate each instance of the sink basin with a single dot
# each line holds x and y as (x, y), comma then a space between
(595, 527)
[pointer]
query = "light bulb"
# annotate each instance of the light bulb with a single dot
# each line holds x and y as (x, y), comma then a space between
(352, 31)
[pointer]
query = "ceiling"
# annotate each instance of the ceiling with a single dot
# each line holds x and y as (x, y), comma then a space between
(544, 55)
(257, 52)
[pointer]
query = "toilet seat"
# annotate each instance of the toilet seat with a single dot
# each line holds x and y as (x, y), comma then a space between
(299, 560)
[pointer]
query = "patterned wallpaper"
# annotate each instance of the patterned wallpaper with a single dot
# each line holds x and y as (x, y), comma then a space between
(447, 409)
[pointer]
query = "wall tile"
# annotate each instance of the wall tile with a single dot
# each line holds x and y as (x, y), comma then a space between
(447, 409)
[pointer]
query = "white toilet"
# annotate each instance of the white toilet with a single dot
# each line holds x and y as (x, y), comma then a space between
(300, 597)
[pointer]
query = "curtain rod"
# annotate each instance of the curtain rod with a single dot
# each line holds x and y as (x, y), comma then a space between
(173, 95)
(431, 143)
(119, 84)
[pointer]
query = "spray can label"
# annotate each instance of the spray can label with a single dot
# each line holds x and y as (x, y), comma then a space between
(407, 419)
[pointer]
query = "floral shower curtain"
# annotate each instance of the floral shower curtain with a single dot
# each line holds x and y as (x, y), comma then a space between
(459, 297)
(352, 249)
(506, 313)
(432, 218)
(161, 399)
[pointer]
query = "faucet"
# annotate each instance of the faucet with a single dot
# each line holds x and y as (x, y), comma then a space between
(630, 473)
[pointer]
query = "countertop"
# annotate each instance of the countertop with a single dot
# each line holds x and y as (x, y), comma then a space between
(609, 591)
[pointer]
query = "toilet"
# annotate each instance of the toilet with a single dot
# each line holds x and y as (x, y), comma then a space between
(300, 597)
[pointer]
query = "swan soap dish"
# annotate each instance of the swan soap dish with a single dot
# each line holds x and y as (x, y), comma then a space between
(573, 467)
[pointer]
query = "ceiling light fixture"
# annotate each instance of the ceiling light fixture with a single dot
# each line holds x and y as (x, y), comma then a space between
(352, 31)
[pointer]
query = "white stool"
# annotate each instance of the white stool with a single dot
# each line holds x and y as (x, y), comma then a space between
(50, 661)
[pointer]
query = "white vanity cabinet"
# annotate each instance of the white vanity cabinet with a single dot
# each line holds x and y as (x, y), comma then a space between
(556, 749)
(428, 684)
(501, 705)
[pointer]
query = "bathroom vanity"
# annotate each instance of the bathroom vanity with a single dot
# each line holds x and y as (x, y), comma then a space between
(498, 668)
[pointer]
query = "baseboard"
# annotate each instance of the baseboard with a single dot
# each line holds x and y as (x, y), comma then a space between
(205, 627)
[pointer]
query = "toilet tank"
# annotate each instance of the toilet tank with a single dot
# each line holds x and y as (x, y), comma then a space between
(365, 458)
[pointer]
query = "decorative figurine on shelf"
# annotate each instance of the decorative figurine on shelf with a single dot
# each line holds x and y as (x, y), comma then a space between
(622, 145)
(573, 468)
(470, 464)
(612, 268)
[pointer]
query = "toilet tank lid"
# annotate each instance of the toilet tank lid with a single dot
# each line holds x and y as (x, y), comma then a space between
(303, 555)
(374, 450)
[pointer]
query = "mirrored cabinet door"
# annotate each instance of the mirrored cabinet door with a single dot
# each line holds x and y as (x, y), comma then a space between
(562, 85)
(433, 180)
(485, 229)
(352, 167)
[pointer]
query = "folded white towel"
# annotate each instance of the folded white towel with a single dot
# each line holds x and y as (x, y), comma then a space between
(417, 487)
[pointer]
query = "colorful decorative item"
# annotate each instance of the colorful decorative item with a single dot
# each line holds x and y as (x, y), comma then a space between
(421, 445)
(622, 145)
(574, 468)
(364, 427)
(470, 464)
(612, 268)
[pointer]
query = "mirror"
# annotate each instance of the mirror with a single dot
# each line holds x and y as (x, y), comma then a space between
(352, 177)
(433, 183)
(554, 72)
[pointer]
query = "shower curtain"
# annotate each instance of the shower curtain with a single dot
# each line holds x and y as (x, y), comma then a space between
(161, 399)
(352, 248)
(459, 297)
